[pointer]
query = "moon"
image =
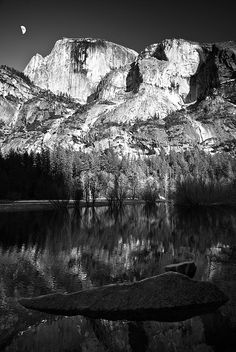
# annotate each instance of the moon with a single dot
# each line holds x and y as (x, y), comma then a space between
(23, 29)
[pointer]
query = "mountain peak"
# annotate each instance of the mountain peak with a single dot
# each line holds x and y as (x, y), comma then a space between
(175, 93)
(76, 66)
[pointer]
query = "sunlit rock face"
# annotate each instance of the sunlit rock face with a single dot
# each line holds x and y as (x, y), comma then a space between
(169, 66)
(160, 76)
(76, 66)
(174, 95)
(154, 85)
(27, 112)
(178, 72)
(181, 93)
(14, 90)
(159, 81)
(209, 123)
(113, 86)
(15, 84)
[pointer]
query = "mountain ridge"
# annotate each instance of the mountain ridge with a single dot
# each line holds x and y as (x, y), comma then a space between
(85, 62)
(174, 94)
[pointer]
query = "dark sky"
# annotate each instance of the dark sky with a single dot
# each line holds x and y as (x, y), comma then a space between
(134, 24)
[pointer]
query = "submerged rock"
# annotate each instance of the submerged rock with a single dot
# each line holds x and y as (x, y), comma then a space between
(167, 297)
(185, 268)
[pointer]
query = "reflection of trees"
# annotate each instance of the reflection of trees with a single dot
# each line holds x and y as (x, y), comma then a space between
(62, 250)
(202, 228)
(41, 252)
(50, 336)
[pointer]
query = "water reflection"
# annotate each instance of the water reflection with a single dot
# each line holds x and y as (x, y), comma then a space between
(42, 252)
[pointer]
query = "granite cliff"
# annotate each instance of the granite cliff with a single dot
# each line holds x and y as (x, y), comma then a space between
(91, 94)
(76, 66)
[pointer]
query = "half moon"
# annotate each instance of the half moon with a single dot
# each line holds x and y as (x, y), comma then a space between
(23, 29)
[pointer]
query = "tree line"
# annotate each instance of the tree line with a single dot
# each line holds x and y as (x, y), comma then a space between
(63, 174)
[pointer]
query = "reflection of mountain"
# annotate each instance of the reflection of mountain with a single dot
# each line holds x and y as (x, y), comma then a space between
(203, 228)
(58, 335)
(100, 247)
(42, 252)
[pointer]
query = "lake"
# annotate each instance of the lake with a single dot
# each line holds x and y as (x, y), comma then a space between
(48, 251)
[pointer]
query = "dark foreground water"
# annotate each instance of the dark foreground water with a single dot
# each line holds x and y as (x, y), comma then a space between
(44, 252)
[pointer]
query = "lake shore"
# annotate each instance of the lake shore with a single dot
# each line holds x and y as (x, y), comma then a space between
(28, 205)
(31, 205)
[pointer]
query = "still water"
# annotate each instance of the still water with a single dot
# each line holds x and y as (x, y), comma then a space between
(45, 252)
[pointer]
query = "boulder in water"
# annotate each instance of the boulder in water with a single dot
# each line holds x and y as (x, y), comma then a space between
(166, 297)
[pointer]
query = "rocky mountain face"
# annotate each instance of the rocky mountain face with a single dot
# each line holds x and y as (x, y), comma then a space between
(28, 112)
(76, 66)
(91, 94)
